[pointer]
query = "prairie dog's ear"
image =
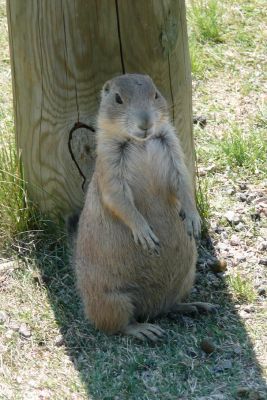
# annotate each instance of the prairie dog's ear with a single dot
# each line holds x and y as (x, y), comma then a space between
(106, 88)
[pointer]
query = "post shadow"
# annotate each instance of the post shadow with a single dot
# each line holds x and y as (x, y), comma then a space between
(116, 367)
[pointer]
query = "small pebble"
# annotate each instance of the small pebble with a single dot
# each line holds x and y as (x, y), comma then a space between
(200, 120)
(237, 349)
(242, 197)
(240, 257)
(245, 315)
(24, 331)
(262, 246)
(3, 317)
(249, 308)
(59, 340)
(239, 227)
(262, 291)
(230, 192)
(225, 364)
(251, 196)
(218, 229)
(255, 216)
(207, 346)
(263, 261)
(232, 217)
(243, 186)
(234, 241)
(14, 326)
(9, 333)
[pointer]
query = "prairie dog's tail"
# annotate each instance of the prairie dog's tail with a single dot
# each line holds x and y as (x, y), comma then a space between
(72, 225)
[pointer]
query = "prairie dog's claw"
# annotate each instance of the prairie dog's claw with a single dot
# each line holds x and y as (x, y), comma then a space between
(182, 214)
(145, 237)
(193, 224)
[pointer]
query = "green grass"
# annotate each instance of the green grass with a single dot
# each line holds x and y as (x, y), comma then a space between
(245, 150)
(16, 212)
(203, 205)
(242, 289)
(205, 18)
(37, 282)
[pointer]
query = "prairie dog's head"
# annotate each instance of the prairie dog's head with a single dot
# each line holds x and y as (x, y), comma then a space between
(131, 106)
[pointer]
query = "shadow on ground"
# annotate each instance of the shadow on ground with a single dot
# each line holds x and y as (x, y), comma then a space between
(120, 368)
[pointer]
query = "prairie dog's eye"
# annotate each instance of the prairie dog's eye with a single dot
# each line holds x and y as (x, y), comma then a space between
(118, 98)
(156, 95)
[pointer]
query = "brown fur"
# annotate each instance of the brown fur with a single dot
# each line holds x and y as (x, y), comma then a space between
(131, 213)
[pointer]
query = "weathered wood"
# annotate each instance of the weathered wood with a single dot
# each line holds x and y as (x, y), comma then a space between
(62, 52)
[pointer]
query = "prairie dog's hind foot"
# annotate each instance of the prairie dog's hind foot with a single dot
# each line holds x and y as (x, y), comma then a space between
(145, 331)
(197, 307)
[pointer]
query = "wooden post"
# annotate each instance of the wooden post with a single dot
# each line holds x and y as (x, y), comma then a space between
(62, 51)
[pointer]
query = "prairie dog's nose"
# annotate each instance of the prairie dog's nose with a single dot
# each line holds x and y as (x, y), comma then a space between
(145, 121)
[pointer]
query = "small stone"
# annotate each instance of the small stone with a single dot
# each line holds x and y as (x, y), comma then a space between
(14, 326)
(239, 227)
(218, 265)
(262, 246)
(223, 365)
(244, 392)
(3, 317)
(207, 346)
(251, 196)
(32, 383)
(255, 216)
(262, 291)
(24, 331)
(3, 348)
(249, 308)
(232, 218)
(245, 315)
(218, 229)
(240, 257)
(230, 192)
(234, 241)
(200, 120)
(243, 186)
(237, 349)
(7, 266)
(202, 171)
(9, 333)
(59, 340)
(263, 261)
(242, 197)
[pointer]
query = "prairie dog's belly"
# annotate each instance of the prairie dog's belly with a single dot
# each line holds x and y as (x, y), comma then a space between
(145, 166)
(108, 246)
(117, 254)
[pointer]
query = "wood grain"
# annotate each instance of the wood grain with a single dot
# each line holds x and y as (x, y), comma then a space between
(156, 43)
(62, 52)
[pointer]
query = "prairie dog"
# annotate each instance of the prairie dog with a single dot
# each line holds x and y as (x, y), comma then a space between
(135, 253)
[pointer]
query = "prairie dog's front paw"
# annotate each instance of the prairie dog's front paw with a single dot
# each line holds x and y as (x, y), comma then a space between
(145, 236)
(193, 224)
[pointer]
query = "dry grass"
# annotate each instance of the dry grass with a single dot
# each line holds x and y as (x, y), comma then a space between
(47, 349)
